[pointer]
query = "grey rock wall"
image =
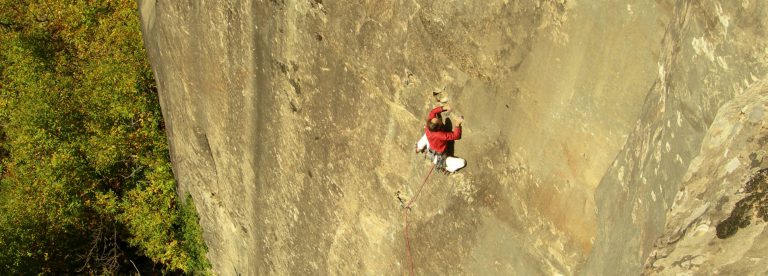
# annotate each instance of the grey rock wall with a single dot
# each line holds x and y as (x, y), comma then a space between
(292, 124)
(717, 220)
(711, 52)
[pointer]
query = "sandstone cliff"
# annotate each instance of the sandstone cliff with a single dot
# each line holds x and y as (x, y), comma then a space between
(710, 53)
(292, 124)
(717, 221)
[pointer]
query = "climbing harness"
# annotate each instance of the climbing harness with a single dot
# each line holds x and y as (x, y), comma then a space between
(438, 159)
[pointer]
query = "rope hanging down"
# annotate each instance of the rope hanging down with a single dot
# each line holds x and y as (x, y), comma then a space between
(406, 208)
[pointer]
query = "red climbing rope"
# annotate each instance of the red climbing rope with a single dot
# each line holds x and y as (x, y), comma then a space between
(407, 207)
(422, 186)
(407, 242)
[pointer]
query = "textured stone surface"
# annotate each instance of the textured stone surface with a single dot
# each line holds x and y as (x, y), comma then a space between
(292, 124)
(712, 50)
(714, 188)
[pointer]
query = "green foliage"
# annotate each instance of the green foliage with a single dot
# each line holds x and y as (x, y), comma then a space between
(192, 237)
(753, 206)
(86, 182)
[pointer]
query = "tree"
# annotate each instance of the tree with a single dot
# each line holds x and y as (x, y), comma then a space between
(86, 179)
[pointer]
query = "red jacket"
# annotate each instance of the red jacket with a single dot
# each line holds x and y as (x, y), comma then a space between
(438, 140)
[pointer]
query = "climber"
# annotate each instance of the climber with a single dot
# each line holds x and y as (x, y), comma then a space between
(435, 140)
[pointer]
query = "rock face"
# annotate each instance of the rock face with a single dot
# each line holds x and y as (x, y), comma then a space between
(709, 54)
(717, 221)
(292, 125)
